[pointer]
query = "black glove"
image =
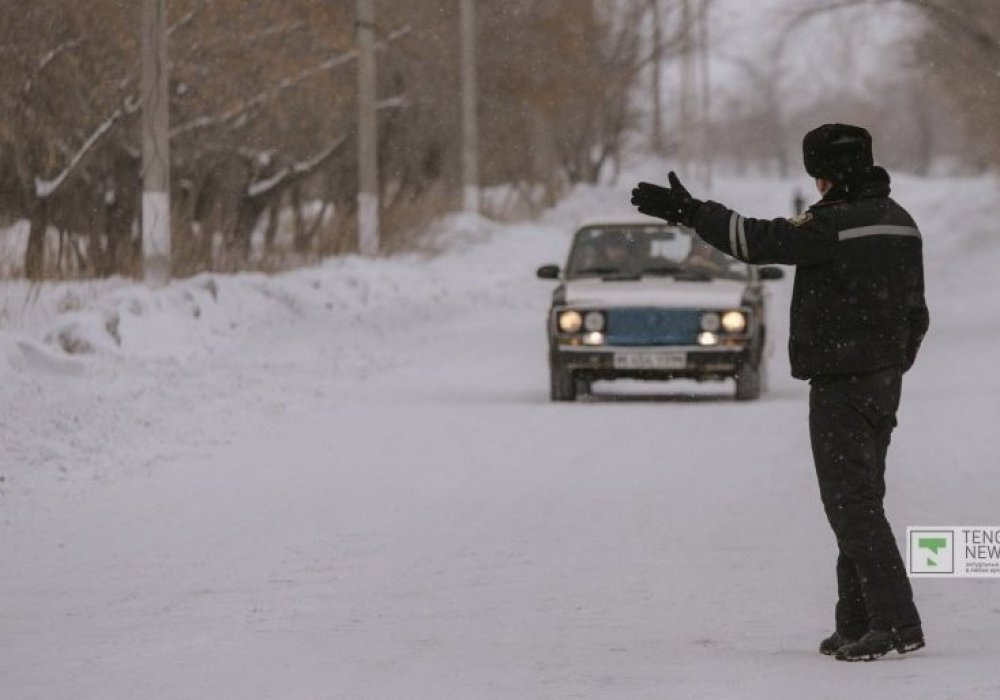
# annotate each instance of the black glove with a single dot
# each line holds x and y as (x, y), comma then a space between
(674, 204)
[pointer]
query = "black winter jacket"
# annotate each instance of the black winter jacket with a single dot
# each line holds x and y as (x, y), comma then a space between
(858, 300)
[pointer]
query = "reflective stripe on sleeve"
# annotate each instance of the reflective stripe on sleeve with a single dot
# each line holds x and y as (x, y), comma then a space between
(877, 230)
(743, 238)
(732, 234)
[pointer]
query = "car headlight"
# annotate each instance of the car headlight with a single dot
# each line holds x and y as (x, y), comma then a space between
(593, 321)
(710, 321)
(734, 322)
(570, 321)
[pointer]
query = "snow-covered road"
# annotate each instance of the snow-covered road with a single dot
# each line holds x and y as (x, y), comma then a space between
(348, 482)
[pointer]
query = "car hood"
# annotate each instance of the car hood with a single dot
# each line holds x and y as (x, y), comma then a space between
(655, 291)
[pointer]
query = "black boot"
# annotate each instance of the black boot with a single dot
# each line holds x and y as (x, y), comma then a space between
(909, 639)
(836, 640)
(877, 643)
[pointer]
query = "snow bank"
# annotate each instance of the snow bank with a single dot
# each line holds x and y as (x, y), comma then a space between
(210, 314)
(19, 355)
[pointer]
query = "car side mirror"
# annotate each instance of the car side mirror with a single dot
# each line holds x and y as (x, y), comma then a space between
(770, 272)
(548, 272)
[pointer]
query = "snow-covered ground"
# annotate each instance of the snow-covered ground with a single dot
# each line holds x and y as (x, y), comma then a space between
(348, 482)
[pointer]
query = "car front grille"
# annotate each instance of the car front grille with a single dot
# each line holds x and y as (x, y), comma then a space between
(653, 326)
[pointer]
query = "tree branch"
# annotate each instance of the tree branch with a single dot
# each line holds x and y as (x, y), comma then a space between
(944, 15)
(951, 18)
(47, 59)
(242, 109)
(395, 102)
(290, 174)
(269, 33)
(44, 189)
(185, 20)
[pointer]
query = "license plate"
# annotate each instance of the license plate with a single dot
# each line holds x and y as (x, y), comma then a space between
(650, 360)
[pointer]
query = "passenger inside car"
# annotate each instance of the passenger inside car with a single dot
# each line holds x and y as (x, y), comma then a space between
(609, 251)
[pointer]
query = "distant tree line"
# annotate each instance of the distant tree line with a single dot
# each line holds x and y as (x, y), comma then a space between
(934, 101)
(262, 116)
(960, 45)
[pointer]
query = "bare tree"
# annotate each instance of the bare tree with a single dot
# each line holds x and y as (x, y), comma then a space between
(263, 115)
(958, 46)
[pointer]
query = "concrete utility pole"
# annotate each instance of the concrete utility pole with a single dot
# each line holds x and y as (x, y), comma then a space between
(657, 140)
(155, 146)
(368, 235)
(708, 147)
(687, 135)
(470, 123)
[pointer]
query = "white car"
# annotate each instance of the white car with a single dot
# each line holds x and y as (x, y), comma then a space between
(648, 300)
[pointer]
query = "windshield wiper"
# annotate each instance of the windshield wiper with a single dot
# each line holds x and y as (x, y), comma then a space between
(607, 273)
(598, 270)
(678, 270)
(669, 269)
(694, 273)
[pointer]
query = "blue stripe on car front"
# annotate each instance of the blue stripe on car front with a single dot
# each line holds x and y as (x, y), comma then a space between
(653, 326)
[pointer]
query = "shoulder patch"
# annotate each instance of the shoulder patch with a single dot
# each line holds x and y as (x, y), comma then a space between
(803, 218)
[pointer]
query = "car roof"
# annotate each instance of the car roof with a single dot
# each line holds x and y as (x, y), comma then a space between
(637, 221)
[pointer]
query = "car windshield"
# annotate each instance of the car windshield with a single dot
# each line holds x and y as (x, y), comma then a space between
(636, 250)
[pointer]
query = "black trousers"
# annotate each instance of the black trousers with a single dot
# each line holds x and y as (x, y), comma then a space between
(850, 423)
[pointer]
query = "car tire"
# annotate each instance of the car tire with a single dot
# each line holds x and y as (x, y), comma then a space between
(749, 382)
(562, 384)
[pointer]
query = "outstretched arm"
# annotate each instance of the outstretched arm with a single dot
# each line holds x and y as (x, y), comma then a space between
(805, 240)
(808, 239)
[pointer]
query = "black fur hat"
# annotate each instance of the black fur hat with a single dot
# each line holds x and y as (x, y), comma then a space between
(838, 152)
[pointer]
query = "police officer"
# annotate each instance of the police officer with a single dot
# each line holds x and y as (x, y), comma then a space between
(857, 320)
